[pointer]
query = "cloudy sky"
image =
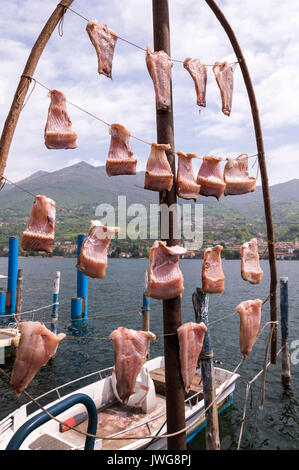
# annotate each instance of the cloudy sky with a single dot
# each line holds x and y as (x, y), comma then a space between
(267, 32)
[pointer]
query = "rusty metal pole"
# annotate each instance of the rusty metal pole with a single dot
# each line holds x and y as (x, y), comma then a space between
(263, 169)
(175, 394)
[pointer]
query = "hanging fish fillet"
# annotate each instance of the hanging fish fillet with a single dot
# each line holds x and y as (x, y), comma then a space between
(186, 186)
(191, 336)
(210, 177)
(159, 67)
(213, 278)
(250, 265)
(158, 174)
(236, 176)
(165, 279)
(104, 41)
(198, 72)
(130, 351)
(39, 233)
(225, 80)
(250, 318)
(120, 159)
(58, 131)
(93, 258)
(37, 345)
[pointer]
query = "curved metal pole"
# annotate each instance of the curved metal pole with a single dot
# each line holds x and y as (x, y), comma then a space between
(21, 91)
(263, 169)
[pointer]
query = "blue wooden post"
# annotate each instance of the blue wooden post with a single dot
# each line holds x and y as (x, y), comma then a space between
(284, 321)
(82, 280)
(2, 302)
(12, 273)
(54, 316)
(201, 305)
(76, 308)
(145, 306)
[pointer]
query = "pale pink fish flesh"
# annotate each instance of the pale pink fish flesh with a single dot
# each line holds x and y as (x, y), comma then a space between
(186, 186)
(250, 319)
(251, 270)
(236, 176)
(130, 352)
(40, 230)
(210, 177)
(37, 345)
(165, 279)
(104, 41)
(225, 80)
(58, 131)
(159, 67)
(158, 174)
(93, 258)
(120, 160)
(198, 72)
(213, 278)
(191, 337)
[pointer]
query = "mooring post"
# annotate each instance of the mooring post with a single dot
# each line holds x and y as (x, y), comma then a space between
(19, 301)
(76, 308)
(2, 302)
(201, 306)
(175, 392)
(54, 315)
(12, 274)
(82, 280)
(145, 307)
(284, 321)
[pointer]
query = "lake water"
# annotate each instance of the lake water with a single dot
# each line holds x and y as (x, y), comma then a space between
(274, 427)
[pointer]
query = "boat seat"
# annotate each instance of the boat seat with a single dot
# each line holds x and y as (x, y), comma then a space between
(144, 392)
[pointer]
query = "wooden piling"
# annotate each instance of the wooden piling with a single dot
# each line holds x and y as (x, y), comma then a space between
(54, 315)
(201, 305)
(19, 301)
(175, 393)
(284, 321)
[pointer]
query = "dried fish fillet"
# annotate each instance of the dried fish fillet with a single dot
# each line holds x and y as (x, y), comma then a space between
(250, 319)
(186, 186)
(250, 265)
(210, 177)
(37, 345)
(130, 351)
(40, 231)
(225, 80)
(213, 278)
(191, 337)
(58, 131)
(93, 258)
(159, 67)
(120, 160)
(198, 72)
(158, 174)
(104, 41)
(236, 176)
(165, 279)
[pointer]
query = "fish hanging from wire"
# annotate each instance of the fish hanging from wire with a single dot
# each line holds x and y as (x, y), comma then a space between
(198, 72)
(104, 41)
(236, 176)
(37, 345)
(191, 337)
(250, 318)
(186, 186)
(165, 279)
(58, 131)
(213, 278)
(159, 66)
(40, 231)
(225, 80)
(158, 174)
(210, 177)
(120, 160)
(130, 351)
(93, 259)
(251, 270)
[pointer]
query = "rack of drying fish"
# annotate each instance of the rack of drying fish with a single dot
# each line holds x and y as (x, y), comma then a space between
(182, 343)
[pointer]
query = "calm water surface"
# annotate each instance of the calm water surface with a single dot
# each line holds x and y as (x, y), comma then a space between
(274, 427)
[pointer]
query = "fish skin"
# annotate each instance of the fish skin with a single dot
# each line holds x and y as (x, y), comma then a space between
(191, 337)
(225, 80)
(159, 66)
(198, 72)
(236, 176)
(40, 230)
(58, 130)
(104, 40)
(213, 279)
(158, 173)
(37, 345)
(186, 186)
(120, 159)
(210, 177)
(250, 319)
(130, 351)
(251, 270)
